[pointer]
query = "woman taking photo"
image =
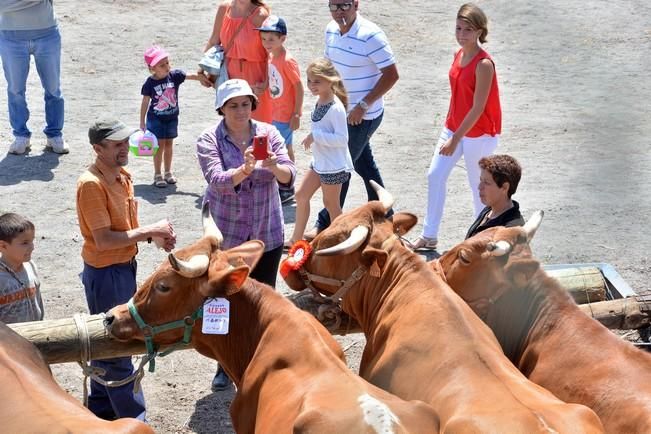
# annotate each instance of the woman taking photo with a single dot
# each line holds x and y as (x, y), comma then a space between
(473, 123)
(243, 190)
(234, 29)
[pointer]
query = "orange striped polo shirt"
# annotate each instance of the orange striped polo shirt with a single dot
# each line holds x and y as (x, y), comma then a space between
(105, 201)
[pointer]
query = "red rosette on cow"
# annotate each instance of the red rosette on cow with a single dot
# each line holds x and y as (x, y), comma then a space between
(296, 257)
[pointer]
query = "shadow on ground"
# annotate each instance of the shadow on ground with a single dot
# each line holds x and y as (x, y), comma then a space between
(15, 169)
(156, 195)
(211, 413)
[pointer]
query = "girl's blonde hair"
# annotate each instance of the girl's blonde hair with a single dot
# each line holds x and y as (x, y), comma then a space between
(473, 15)
(322, 67)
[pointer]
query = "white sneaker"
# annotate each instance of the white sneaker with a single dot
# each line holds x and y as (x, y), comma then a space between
(20, 145)
(57, 144)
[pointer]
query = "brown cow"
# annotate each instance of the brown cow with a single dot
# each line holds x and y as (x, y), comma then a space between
(423, 341)
(33, 402)
(289, 371)
(544, 333)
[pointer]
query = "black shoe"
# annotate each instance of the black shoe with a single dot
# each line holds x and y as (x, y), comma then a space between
(286, 196)
(221, 381)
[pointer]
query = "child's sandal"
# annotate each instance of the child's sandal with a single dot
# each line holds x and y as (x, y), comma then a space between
(170, 178)
(159, 181)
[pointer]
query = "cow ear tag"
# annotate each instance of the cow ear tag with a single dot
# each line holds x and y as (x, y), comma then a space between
(216, 316)
(297, 255)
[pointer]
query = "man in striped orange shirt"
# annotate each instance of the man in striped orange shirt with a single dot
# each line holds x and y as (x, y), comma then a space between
(108, 219)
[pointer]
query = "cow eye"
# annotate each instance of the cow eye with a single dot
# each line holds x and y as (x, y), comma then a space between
(464, 257)
(161, 287)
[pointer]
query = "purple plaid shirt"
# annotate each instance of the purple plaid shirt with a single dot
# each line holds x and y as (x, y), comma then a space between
(250, 210)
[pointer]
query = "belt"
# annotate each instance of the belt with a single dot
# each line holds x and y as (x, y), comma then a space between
(131, 261)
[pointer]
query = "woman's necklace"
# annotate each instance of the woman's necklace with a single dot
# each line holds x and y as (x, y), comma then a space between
(241, 140)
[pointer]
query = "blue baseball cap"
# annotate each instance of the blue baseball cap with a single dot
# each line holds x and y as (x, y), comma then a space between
(273, 23)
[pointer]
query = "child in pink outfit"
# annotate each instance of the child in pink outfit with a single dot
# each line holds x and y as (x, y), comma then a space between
(159, 111)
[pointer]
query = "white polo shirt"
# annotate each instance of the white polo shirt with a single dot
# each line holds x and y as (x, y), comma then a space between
(358, 56)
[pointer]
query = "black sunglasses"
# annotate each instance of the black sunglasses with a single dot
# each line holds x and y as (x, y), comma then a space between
(343, 6)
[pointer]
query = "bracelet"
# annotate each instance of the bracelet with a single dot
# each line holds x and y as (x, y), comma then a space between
(296, 115)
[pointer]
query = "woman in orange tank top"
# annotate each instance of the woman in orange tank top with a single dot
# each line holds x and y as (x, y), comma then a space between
(473, 123)
(246, 57)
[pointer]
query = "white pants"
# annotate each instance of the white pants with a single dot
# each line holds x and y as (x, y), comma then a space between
(472, 149)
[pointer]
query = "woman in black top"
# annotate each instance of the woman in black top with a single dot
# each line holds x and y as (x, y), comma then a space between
(500, 175)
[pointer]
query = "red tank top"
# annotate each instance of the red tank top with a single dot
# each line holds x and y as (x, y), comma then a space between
(462, 85)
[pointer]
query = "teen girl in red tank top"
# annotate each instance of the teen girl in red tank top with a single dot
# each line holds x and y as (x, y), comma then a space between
(473, 123)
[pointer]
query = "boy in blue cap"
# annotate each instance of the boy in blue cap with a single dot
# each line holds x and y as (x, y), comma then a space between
(285, 86)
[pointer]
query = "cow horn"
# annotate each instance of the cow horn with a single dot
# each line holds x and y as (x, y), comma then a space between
(532, 225)
(499, 248)
(209, 226)
(384, 196)
(193, 267)
(356, 238)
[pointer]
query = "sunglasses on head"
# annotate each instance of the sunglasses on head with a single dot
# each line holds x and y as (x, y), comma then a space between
(343, 6)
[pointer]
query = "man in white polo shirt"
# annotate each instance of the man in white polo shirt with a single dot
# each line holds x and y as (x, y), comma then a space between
(360, 51)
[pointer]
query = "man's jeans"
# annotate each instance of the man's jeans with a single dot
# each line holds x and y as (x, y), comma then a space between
(16, 47)
(359, 145)
(106, 288)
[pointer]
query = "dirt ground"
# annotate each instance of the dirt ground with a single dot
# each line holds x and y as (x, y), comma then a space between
(575, 93)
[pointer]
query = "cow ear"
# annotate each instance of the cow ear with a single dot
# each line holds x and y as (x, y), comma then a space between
(226, 282)
(520, 271)
(374, 259)
(248, 253)
(403, 222)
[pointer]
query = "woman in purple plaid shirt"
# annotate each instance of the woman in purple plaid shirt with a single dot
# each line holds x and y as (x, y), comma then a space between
(243, 191)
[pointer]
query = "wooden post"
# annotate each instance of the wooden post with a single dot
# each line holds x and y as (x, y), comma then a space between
(625, 313)
(59, 340)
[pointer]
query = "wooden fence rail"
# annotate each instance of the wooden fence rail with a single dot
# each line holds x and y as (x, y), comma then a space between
(60, 342)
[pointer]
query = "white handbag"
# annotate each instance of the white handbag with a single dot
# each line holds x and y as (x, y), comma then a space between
(213, 60)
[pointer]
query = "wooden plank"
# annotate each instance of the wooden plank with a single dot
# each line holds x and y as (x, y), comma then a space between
(59, 342)
(624, 313)
(59, 339)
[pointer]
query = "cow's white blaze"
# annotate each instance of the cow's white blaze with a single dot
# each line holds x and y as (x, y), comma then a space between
(377, 415)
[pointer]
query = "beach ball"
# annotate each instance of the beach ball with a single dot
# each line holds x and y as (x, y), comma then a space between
(143, 144)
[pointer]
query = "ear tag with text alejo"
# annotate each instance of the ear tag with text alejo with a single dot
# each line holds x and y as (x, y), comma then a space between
(216, 315)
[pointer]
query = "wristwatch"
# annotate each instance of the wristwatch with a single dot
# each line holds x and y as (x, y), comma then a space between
(363, 105)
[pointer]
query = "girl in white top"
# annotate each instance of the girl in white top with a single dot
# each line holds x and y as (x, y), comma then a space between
(331, 162)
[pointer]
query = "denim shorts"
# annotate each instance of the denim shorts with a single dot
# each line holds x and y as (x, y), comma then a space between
(285, 131)
(163, 129)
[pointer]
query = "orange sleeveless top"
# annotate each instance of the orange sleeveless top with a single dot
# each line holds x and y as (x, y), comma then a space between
(246, 57)
(462, 85)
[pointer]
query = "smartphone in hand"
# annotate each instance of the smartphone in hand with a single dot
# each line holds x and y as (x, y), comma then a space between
(260, 147)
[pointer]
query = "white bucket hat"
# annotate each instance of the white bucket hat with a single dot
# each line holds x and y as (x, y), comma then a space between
(231, 89)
